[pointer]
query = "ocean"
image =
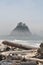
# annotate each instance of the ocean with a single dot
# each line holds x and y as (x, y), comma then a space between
(25, 40)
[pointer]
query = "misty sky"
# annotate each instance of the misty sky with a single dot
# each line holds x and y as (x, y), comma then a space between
(27, 11)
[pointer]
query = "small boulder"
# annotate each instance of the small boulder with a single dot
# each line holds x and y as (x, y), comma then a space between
(40, 51)
(2, 57)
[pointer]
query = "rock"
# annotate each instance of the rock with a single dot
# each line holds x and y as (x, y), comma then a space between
(7, 49)
(23, 59)
(40, 51)
(41, 48)
(2, 57)
(21, 29)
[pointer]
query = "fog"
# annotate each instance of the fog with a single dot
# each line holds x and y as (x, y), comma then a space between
(14, 11)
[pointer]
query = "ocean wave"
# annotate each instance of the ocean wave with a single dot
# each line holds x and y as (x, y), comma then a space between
(29, 42)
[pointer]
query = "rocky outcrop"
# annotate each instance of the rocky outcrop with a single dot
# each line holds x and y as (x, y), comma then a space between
(21, 29)
(40, 51)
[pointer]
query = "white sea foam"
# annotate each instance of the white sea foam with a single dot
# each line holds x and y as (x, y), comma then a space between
(34, 43)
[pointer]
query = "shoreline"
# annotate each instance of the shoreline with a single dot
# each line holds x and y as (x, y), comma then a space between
(18, 52)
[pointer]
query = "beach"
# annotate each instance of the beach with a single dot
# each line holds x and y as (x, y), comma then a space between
(13, 53)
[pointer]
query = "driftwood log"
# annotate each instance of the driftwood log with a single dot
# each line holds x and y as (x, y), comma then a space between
(12, 44)
(18, 52)
(35, 59)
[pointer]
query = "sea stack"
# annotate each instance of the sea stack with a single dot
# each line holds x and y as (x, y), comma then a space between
(21, 29)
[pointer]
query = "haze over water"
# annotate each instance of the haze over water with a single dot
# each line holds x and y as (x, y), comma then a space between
(27, 11)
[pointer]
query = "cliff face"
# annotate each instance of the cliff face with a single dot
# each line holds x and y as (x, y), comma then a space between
(21, 29)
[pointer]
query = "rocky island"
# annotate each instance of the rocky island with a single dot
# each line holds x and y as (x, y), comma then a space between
(21, 29)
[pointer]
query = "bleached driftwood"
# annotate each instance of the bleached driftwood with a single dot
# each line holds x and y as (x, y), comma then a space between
(17, 52)
(35, 59)
(12, 44)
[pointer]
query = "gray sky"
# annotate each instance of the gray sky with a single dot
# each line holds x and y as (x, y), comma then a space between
(27, 11)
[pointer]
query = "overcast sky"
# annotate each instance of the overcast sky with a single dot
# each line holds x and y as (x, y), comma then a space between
(27, 11)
